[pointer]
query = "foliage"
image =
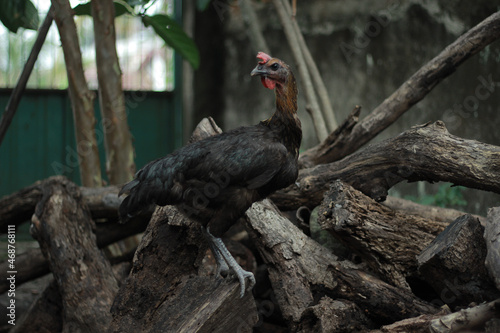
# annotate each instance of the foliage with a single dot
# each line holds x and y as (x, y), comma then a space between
(446, 196)
(164, 26)
(16, 14)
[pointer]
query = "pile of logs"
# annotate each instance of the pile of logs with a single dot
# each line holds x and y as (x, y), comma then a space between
(396, 271)
(379, 264)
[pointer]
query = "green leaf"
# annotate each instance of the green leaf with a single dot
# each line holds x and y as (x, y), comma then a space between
(174, 36)
(16, 14)
(86, 9)
(202, 4)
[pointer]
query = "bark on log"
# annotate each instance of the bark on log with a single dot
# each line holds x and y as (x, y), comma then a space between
(453, 264)
(466, 320)
(333, 316)
(388, 241)
(164, 283)
(492, 238)
(18, 207)
(426, 152)
(312, 271)
(434, 213)
(32, 264)
(320, 154)
(44, 314)
(415, 88)
(64, 229)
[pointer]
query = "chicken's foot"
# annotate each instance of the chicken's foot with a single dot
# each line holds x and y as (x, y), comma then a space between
(226, 262)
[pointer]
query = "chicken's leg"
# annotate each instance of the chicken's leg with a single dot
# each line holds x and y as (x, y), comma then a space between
(224, 259)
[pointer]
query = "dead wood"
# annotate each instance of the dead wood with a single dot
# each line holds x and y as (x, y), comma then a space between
(333, 316)
(45, 313)
(18, 207)
(471, 319)
(427, 152)
(164, 283)
(312, 271)
(320, 154)
(434, 213)
(492, 238)
(32, 264)
(453, 264)
(63, 227)
(387, 241)
(412, 90)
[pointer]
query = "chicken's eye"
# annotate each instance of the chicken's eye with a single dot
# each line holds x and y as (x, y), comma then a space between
(275, 66)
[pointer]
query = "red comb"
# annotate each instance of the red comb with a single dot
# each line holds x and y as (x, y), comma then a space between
(264, 57)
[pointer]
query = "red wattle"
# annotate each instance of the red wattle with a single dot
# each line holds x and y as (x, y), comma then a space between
(268, 83)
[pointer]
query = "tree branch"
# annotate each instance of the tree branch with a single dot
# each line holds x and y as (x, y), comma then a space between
(424, 153)
(415, 88)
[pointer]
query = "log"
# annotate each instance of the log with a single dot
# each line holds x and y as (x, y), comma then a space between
(312, 271)
(466, 320)
(32, 264)
(19, 206)
(424, 153)
(164, 283)
(434, 213)
(453, 264)
(387, 241)
(411, 91)
(320, 154)
(45, 313)
(333, 316)
(492, 238)
(63, 228)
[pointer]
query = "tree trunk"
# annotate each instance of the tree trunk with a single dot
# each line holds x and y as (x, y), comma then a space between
(82, 98)
(120, 165)
(64, 230)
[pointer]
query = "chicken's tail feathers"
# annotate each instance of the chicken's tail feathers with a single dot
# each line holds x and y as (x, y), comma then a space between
(129, 186)
(129, 207)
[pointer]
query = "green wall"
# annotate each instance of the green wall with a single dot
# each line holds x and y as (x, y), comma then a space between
(40, 141)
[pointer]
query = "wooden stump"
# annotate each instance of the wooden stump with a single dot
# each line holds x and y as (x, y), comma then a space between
(164, 292)
(63, 228)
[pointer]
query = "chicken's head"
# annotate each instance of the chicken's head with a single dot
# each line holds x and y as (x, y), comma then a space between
(272, 71)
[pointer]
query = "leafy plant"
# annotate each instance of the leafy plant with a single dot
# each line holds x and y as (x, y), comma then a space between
(446, 196)
(16, 14)
(164, 26)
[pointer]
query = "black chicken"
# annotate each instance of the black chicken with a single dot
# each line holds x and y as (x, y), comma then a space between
(215, 180)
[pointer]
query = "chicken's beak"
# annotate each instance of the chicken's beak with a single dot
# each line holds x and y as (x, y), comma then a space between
(259, 70)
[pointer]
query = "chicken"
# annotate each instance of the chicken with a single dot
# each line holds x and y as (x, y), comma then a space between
(215, 180)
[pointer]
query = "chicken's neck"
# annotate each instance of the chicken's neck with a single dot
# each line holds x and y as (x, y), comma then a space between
(285, 118)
